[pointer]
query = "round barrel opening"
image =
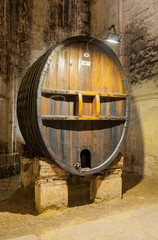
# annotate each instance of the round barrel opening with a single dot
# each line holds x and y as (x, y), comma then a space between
(85, 157)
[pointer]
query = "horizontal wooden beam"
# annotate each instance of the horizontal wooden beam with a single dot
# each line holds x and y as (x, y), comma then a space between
(67, 117)
(48, 93)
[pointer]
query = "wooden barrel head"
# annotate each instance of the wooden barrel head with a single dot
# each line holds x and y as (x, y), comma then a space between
(79, 109)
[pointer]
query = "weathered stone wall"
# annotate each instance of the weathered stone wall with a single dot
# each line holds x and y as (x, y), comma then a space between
(65, 19)
(141, 27)
(54, 21)
(142, 64)
(15, 51)
(28, 29)
(105, 13)
(19, 55)
(4, 34)
(137, 21)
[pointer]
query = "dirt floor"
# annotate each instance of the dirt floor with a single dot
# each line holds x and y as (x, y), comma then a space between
(18, 215)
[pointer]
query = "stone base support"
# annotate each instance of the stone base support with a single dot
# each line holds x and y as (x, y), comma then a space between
(51, 188)
(51, 193)
(107, 184)
(102, 189)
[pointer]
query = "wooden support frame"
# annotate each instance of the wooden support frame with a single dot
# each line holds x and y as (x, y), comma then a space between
(48, 93)
(67, 117)
(96, 105)
(79, 105)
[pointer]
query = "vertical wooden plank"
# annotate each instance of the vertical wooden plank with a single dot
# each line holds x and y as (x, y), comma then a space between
(49, 104)
(103, 84)
(108, 137)
(117, 82)
(105, 105)
(58, 104)
(116, 106)
(121, 111)
(73, 137)
(114, 137)
(81, 84)
(73, 66)
(102, 132)
(105, 65)
(79, 105)
(84, 83)
(52, 79)
(66, 85)
(95, 81)
(96, 106)
(63, 83)
(84, 71)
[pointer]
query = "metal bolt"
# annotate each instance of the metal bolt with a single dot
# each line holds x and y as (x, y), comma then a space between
(78, 166)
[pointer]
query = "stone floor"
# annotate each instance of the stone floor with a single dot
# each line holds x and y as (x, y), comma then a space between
(135, 216)
(140, 224)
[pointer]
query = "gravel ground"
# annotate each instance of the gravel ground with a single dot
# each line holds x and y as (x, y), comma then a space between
(18, 215)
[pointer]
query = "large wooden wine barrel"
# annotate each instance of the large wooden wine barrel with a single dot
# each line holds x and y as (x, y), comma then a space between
(73, 105)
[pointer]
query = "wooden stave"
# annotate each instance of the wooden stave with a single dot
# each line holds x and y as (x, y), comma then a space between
(26, 92)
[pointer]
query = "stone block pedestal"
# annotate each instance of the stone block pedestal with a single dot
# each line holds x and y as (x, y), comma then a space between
(107, 184)
(51, 183)
(51, 188)
(51, 193)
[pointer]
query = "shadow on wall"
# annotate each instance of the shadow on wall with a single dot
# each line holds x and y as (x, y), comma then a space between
(133, 150)
(140, 60)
